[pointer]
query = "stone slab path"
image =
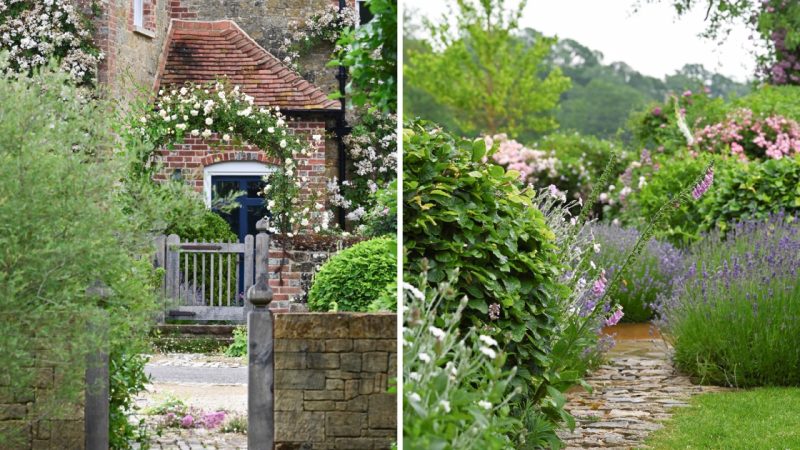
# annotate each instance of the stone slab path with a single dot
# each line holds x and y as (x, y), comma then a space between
(633, 392)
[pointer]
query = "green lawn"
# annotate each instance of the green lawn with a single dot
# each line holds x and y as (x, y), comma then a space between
(763, 418)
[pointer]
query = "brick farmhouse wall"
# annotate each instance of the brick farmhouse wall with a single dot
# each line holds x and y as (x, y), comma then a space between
(332, 374)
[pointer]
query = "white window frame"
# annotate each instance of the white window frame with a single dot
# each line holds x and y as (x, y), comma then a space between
(138, 13)
(232, 168)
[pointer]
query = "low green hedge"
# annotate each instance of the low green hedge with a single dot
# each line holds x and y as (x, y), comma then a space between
(352, 279)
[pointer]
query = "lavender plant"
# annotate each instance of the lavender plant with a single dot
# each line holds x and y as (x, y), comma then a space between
(652, 275)
(734, 315)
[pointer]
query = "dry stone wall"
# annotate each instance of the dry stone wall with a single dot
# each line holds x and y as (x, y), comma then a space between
(32, 419)
(332, 376)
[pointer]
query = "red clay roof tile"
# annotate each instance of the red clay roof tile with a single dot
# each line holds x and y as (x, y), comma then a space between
(200, 51)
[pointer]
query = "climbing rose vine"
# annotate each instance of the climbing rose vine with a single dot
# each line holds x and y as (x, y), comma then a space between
(372, 150)
(227, 116)
(326, 26)
(34, 32)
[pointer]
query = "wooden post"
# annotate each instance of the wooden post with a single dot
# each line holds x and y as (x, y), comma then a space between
(173, 267)
(260, 370)
(96, 408)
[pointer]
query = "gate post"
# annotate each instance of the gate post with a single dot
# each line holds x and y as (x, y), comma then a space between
(96, 406)
(260, 370)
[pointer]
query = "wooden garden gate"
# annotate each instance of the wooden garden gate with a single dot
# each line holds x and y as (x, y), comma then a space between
(208, 280)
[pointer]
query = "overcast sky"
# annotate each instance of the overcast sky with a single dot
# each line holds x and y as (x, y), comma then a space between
(653, 40)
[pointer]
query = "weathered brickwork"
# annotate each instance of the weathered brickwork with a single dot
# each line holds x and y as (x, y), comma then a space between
(131, 57)
(194, 154)
(32, 419)
(332, 374)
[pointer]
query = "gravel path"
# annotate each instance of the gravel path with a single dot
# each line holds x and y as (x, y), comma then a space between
(633, 392)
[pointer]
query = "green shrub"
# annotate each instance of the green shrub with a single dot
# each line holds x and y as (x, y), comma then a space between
(207, 227)
(461, 212)
(239, 345)
(733, 317)
(355, 277)
(770, 100)
(62, 229)
(753, 190)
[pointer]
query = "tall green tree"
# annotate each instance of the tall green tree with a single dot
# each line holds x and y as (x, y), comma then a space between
(492, 81)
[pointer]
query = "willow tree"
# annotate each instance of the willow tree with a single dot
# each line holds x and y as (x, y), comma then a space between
(481, 69)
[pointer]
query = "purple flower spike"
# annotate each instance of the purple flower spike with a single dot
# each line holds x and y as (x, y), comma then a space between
(615, 318)
(599, 287)
(703, 186)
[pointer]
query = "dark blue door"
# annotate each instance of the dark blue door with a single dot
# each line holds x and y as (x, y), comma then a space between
(251, 205)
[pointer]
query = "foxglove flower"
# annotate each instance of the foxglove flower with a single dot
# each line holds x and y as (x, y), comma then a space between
(703, 186)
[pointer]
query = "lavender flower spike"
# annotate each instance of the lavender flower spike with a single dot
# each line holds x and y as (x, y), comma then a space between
(703, 186)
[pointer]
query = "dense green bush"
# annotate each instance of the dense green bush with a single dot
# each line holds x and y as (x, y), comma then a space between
(355, 277)
(207, 227)
(733, 317)
(752, 191)
(740, 191)
(62, 229)
(462, 212)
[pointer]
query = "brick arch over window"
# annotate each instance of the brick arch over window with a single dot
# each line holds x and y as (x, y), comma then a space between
(240, 156)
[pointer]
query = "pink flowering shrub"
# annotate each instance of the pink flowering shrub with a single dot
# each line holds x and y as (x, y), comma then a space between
(749, 138)
(569, 162)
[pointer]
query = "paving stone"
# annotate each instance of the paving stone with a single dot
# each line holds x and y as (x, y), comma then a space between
(632, 393)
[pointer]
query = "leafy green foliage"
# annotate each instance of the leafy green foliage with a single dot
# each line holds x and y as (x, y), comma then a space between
(461, 212)
(62, 228)
(239, 345)
(352, 279)
(456, 389)
(752, 191)
(370, 52)
(208, 227)
(387, 301)
(127, 380)
(490, 80)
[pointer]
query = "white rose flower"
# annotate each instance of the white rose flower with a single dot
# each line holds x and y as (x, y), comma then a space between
(226, 137)
(195, 132)
(209, 121)
(206, 133)
(271, 129)
(485, 405)
(283, 143)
